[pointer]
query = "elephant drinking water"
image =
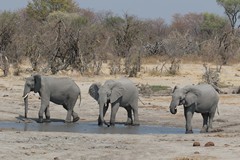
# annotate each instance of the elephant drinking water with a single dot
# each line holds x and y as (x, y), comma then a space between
(201, 98)
(61, 91)
(121, 92)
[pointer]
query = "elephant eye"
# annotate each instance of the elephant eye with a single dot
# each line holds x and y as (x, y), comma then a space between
(181, 98)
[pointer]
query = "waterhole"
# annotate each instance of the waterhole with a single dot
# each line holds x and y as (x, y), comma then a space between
(90, 127)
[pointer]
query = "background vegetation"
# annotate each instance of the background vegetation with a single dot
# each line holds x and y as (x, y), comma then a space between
(55, 35)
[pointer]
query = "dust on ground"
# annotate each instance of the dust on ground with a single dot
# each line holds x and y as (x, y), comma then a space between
(155, 111)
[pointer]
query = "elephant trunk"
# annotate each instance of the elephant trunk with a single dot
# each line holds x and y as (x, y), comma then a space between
(26, 105)
(101, 106)
(25, 97)
(173, 108)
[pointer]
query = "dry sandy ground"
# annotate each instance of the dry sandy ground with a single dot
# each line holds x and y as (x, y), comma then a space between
(66, 146)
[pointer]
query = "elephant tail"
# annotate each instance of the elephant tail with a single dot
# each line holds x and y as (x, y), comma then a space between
(80, 99)
(141, 101)
(217, 110)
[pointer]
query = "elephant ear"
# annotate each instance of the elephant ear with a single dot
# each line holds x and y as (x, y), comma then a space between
(176, 87)
(117, 92)
(93, 90)
(190, 98)
(37, 83)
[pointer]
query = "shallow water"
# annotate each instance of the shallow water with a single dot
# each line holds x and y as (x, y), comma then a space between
(90, 127)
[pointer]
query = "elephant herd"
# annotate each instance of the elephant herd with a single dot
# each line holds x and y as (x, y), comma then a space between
(202, 98)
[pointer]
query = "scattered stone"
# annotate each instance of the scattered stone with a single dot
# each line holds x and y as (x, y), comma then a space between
(226, 145)
(56, 158)
(217, 130)
(196, 152)
(209, 144)
(196, 144)
(28, 154)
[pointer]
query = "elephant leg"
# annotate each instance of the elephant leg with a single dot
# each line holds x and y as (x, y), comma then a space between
(68, 117)
(47, 114)
(75, 116)
(114, 110)
(43, 108)
(135, 114)
(211, 116)
(129, 118)
(69, 113)
(105, 108)
(205, 122)
(188, 113)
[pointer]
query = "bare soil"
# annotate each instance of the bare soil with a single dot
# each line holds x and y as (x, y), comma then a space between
(155, 111)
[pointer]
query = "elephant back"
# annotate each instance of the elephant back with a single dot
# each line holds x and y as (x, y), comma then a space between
(208, 93)
(129, 86)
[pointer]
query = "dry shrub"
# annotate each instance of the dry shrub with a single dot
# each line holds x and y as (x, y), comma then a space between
(155, 71)
(4, 64)
(115, 66)
(149, 90)
(209, 50)
(151, 59)
(221, 49)
(145, 89)
(211, 76)
(177, 45)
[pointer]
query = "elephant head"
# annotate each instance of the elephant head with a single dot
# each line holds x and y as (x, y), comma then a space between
(32, 83)
(183, 96)
(110, 92)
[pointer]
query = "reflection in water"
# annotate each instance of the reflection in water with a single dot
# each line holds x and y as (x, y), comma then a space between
(91, 127)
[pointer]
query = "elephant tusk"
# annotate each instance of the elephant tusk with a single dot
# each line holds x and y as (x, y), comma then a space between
(108, 125)
(25, 96)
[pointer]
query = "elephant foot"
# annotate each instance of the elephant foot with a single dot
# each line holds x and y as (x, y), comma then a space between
(48, 119)
(75, 119)
(112, 124)
(40, 119)
(210, 130)
(136, 124)
(128, 123)
(100, 123)
(203, 130)
(67, 121)
(189, 132)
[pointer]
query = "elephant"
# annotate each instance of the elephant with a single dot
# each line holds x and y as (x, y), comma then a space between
(201, 98)
(62, 91)
(121, 92)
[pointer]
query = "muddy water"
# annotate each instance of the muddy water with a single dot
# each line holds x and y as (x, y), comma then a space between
(90, 127)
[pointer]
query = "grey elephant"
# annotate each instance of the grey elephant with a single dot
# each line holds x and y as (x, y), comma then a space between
(121, 92)
(61, 91)
(201, 98)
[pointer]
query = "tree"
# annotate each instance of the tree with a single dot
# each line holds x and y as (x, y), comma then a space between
(187, 23)
(40, 9)
(232, 9)
(8, 25)
(7, 29)
(125, 34)
(177, 45)
(213, 23)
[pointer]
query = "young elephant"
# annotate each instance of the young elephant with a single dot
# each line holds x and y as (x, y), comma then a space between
(61, 91)
(121, 92)
(201, 98)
